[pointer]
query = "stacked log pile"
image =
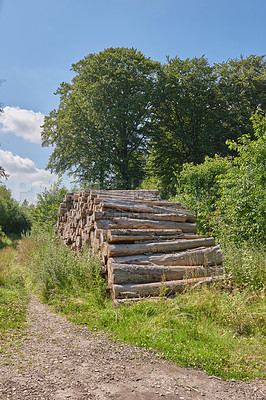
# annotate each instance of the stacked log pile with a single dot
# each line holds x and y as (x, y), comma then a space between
(148, 245)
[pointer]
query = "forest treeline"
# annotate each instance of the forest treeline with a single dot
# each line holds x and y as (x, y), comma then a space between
(124, 116)
(191, 129)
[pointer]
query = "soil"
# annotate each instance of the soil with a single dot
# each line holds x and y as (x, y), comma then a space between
(56, 360)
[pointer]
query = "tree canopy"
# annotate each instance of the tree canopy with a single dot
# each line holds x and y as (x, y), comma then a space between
(186, 127)
(198, 107)
(102, 123)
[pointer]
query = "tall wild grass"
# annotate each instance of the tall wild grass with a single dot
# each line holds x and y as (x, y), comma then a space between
(13, 295)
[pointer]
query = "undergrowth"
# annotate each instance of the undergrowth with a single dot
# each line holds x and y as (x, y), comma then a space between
(219, 329)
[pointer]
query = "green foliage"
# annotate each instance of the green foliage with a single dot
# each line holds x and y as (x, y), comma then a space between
(198, 107)
(13, 217)
(246, 265)
(100, 129)
(58, 271)
(241, 210)
(241, 89)
(186, 127)
(122, 111)
(228, 195)
(198, 188)
(44, 214)
(4, 239)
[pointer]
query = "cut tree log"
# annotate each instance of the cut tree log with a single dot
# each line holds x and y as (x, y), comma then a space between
(168, 288)
(127, 223)
(120, 250)
(137, 207)
(138, 239)
(139, 273)
(142, 232)
(200, 256)
(178, 217)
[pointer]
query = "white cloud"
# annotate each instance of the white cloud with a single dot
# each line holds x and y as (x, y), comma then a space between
(24, 123)
(25, 179)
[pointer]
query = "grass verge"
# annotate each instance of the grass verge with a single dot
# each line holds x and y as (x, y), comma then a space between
(13, 298)
(218, 329)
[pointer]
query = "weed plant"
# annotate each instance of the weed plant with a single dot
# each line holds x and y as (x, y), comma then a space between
(247, 266)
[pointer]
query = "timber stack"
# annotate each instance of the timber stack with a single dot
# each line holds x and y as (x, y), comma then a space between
(148, 246)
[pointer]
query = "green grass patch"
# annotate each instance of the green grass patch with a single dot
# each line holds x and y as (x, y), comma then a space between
(183, 330)
(4, 241)
(13, 297)
(218, 329)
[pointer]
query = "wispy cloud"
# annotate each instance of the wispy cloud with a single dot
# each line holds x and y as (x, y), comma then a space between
(24, 123)
(25, 179)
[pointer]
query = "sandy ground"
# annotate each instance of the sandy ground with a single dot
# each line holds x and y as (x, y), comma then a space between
(54, 359)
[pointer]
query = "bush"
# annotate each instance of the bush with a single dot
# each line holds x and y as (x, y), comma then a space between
(44, 214)
(228, 195)
(199, 189)
(13, 217)
(241, 210)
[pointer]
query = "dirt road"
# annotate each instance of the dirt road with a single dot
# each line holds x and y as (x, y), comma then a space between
(55, 360)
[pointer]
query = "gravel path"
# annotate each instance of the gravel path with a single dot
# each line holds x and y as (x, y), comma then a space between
(56, 360)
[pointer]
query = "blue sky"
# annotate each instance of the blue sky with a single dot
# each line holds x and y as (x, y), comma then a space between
(40, 39)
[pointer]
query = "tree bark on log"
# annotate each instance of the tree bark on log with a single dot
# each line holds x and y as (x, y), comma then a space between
(120, 250)
(139, 273)
(200, 256)
(127, 223)
(178, 217)
(138, 207)
(153, 289)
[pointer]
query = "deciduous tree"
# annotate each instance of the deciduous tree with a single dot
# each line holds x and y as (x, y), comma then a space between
(100, 129)
(186, 126)
(241, 85)
(199, 107)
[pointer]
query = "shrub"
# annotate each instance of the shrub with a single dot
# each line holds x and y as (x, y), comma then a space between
(44, 214)
(13, 217)
(228, 195)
